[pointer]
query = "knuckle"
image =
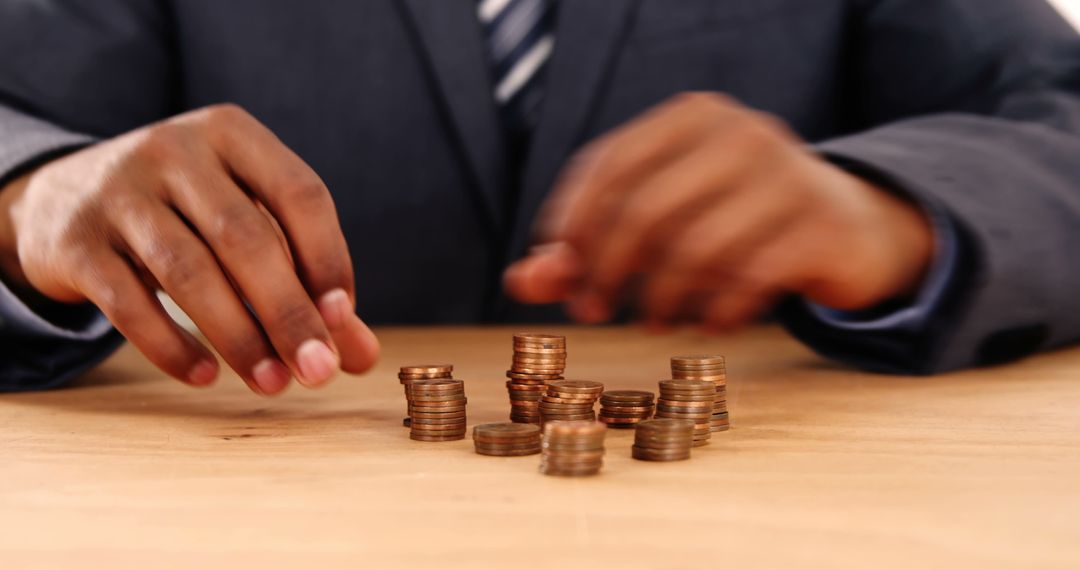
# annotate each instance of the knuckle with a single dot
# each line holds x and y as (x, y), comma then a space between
(296, 319)
(226, 113)
(305, 192)
(178, 271)
(637, 217)
(157, 145)
(701, 100)
(241, 228)
(123, 314)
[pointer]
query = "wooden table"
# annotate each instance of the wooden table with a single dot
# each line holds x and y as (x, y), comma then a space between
(824, 467)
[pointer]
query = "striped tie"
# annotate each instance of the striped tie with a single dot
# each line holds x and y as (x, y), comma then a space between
(520, 42)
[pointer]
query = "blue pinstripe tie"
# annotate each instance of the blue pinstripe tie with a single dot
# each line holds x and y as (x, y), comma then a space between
(519, 42)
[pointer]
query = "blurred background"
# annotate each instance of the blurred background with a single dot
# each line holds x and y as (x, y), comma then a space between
(1071, 9)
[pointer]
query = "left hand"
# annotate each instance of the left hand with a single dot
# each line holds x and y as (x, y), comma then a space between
(710, 211)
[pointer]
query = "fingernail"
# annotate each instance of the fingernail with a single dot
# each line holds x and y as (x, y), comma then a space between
(271, 375)
(317, 362)
(203, 373)
(335, 308)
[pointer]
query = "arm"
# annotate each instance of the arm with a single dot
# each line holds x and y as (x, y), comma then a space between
(967, 107)
(47, 343)
(983, 123)
(190, 204)
(71, 76)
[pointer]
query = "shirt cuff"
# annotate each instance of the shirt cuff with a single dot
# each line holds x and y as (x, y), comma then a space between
(914, 316)
(18, 320)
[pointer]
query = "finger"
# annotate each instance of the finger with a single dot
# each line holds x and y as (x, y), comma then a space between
(736, 305)
(189, 273)
(783, 265)
(655, 212)
(247, 247)
(716, 242)
(299, 201)
(595, 178)
(295, 196)
(110, 283)
(550, 274)
(348, 331)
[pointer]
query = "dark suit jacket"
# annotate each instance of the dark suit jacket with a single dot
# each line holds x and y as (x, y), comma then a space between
(970, 105)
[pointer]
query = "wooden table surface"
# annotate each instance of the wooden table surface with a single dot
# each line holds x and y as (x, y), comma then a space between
(824, 467)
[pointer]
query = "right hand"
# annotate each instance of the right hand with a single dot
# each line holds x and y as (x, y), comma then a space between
(215, 210)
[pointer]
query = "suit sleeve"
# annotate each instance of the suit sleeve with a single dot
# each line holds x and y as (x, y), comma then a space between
(973, 108)
(72, 73)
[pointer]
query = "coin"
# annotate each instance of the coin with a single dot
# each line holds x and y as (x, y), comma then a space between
(572, 449)
(578, 386)
(422, 437)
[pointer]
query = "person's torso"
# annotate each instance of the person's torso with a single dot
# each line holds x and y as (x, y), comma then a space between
(374, 96)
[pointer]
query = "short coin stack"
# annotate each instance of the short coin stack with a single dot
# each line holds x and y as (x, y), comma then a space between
(626, 408)
(688, 400)
(507, 439)
(438, 410)
(420, 372)
(538, 359)
(573, 449)
(713, 369)
(663, 440)
(567, 400)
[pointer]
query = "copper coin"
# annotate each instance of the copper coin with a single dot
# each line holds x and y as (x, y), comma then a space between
(449, 409)
(422, 437)
(579, 386)
(523, 387)
(697, 359)
(504, 429)
(532, 377)
(440, 383)
(507, 452)
(427, 368)
(423, 423)
(694, 385)
(438, 415)
(652, 455)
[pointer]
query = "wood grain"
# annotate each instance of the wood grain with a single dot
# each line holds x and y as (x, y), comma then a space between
(825, 467)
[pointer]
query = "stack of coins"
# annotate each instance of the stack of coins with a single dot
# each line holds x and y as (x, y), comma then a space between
(507, 439)
(663, 440)
(573, 449)
(570, 400)
(538, 359)
(438, 410)
(420, 372)
(713, 369)
(688, 400)
(626, 408)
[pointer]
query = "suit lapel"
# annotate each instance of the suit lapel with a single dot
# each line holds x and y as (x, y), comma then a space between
(450, 37)
(587, 38)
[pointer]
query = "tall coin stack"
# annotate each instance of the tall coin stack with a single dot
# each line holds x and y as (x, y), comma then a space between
(438, 410)
(573, 449)
(570, 400)
(626, 408)
(420, 372)
(538, 359)
(713, 369)
(507, 439)
(663, 440)
(688, 400)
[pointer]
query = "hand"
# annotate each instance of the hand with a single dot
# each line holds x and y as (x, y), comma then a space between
(211, 207)
(707, 210)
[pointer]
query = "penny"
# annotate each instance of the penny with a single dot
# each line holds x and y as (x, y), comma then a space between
(420, 437)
